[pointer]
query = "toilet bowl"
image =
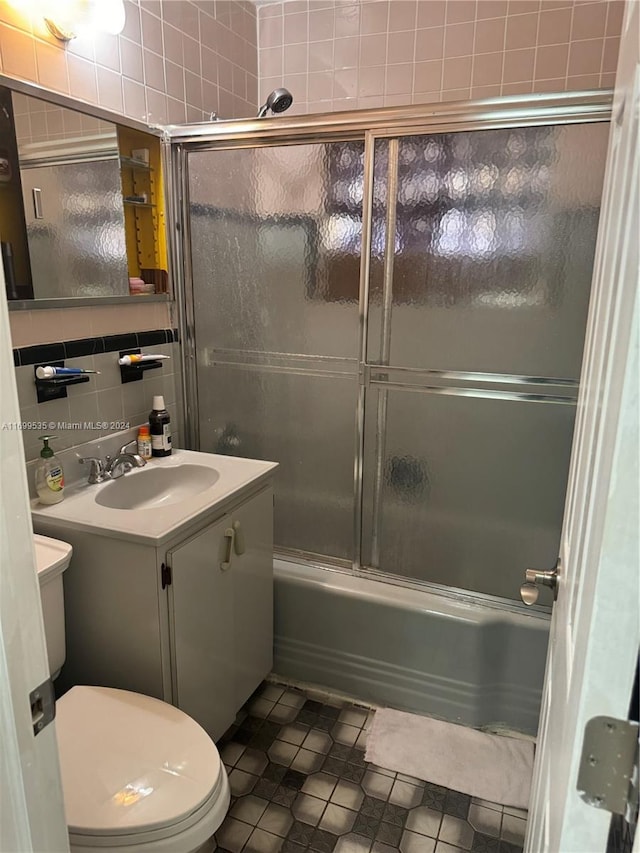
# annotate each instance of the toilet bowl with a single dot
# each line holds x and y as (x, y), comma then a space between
(138, 775)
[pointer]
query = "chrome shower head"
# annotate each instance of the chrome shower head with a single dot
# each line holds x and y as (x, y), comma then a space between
(278, 101)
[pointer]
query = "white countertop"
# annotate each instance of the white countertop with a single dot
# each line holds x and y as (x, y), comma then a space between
(158, 525)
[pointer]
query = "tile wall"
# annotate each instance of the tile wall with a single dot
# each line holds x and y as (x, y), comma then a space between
(340, 56)
(36, 120)
(55, 324)
(103, 405)
(175, 61)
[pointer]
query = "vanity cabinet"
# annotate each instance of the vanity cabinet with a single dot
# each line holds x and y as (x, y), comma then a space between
(190, 622)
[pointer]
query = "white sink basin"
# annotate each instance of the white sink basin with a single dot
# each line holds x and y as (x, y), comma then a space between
(151, 487)
(155, 504)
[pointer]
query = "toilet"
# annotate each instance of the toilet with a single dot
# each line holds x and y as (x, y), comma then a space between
(138, 775)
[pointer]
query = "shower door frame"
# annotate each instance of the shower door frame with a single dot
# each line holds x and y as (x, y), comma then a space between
(366, 126)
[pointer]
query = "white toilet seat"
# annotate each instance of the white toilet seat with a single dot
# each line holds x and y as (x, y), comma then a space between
(137, 774)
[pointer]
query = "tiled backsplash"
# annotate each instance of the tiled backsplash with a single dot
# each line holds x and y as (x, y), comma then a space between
(337, 56)
(103, 405)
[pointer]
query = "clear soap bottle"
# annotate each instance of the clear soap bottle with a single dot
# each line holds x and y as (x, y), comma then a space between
(49, 475)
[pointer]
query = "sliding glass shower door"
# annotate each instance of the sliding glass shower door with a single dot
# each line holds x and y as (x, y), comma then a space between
(275, 247)
(480, 271)
(431, 398)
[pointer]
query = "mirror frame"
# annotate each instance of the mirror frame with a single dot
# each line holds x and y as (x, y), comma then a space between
(36, 91)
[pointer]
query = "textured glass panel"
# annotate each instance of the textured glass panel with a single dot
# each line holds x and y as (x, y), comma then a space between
(494, 246)
(306, 423)
(275, 235)
(377, 256)
(491, 241)
(78, 246)
(472, 489)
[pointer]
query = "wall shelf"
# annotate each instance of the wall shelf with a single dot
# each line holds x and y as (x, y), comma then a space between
(138, 165)
(134, 372)
(56, 387)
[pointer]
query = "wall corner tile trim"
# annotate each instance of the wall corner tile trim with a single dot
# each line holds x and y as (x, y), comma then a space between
(84, 347)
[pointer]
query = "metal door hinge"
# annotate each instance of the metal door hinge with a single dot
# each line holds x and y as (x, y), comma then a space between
(165, 575)
(609, 756)
(43, 705)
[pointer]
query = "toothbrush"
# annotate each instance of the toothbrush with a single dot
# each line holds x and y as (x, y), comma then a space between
(48, 372)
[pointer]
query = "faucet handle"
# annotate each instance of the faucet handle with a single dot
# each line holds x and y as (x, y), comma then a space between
(123, 449)
(92, 459)
(96, 472)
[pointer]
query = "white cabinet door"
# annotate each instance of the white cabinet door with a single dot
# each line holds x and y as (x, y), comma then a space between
(252, 574)
(221, 614)
(201, 598)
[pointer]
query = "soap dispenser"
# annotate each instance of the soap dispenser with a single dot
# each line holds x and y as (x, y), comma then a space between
(49, 474)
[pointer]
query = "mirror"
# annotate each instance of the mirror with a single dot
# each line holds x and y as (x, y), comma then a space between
(81, 205)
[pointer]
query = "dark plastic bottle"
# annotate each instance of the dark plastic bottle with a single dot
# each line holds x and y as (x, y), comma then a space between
(160, 428)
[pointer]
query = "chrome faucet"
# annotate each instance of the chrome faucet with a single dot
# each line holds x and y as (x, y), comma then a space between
(113, 467)
(96, 472)
(120, 464)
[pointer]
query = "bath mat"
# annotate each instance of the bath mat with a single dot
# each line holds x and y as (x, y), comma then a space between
(491, 767)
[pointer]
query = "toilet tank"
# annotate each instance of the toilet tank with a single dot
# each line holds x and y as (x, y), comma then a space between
(52, 558)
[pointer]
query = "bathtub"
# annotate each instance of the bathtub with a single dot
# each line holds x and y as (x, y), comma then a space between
(458, 658)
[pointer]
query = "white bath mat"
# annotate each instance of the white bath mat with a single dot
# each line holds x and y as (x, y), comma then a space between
(492, 767)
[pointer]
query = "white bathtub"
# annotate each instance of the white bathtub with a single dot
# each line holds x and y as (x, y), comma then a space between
(460, 659)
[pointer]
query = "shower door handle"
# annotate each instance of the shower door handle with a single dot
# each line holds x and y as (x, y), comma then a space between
(529, 591)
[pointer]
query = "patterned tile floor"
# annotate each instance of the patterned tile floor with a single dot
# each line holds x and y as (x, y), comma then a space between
(299, 782)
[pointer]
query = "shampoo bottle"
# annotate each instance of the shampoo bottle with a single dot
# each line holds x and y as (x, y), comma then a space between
(160, 428)
(49, 475)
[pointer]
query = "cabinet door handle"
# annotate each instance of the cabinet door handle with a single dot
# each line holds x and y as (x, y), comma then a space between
(238, 542)
(229, 536)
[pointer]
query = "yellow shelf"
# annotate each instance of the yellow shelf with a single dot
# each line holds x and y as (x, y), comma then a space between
(145, 227)
(137, 165)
